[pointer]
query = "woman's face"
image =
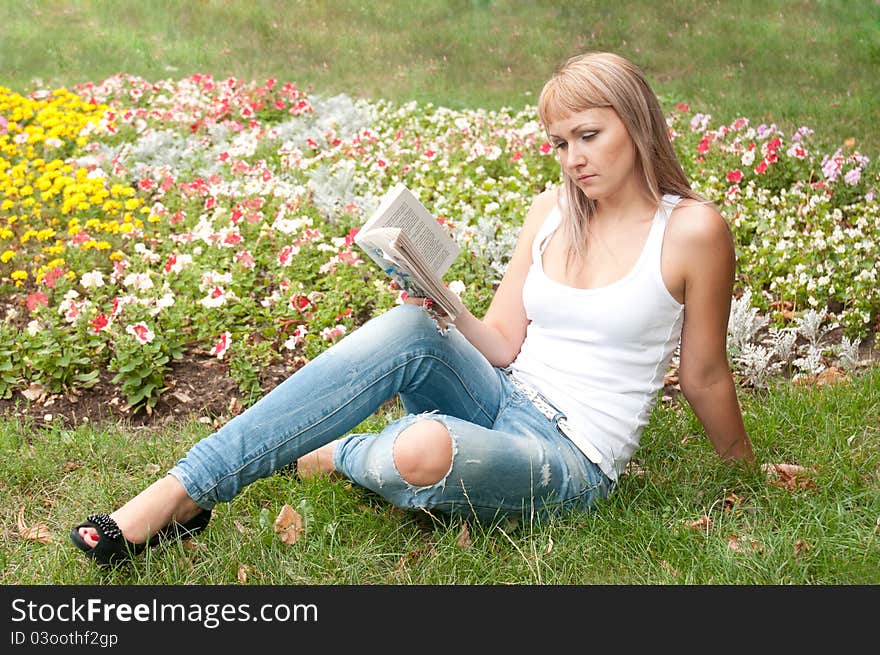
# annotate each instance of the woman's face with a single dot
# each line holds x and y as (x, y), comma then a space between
(596, 151)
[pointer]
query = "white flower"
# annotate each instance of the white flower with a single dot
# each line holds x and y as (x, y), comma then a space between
(92, 279)
(457, 287)
(138, 281)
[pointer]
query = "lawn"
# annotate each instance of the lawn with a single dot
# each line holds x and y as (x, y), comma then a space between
(188, 202)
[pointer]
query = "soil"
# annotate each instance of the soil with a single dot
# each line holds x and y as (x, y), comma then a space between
(199, 387)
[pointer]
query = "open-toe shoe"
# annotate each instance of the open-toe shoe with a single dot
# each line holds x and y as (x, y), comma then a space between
(113, 548)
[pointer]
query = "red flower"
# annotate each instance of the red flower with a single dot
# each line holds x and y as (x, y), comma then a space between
(735, 176)
(703, 146)
(761, 168)
(546, 147)
(682, 106)
(100, 322)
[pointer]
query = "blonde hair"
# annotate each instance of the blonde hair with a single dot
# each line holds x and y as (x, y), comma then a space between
(601, 79)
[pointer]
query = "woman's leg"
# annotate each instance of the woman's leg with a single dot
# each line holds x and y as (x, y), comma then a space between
(521, 466)
(400, 351)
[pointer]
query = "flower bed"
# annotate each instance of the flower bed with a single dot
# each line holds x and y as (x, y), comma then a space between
(142, 221)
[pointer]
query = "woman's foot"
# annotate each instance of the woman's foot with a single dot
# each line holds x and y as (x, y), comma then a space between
(317, 462)
(164, 503)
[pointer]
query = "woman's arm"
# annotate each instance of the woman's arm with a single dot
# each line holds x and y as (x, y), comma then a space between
(708, 262)
(499, 335)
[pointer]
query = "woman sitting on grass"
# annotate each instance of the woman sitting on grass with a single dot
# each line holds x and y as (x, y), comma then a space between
(535, 409)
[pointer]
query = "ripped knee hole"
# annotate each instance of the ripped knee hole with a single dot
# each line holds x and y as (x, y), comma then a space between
(423, 452)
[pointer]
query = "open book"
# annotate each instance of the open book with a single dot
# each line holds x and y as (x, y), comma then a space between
(408, 243)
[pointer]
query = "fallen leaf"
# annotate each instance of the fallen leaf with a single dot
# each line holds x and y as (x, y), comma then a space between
(243, 571)
(152, 469)
(289, 525)
(181, 396)
(240, 526)
(191, 545)
(788, 470)
(464, 538)
(790, 476)
(549, 546)
(730, 502)
(738, 545)
(702, 523)
(785, 308)
(34, 392)
(235, 407)
(801, 547)
(39, 532)
(832, 375)
(71, 466)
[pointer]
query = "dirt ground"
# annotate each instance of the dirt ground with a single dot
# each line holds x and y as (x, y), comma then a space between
(198, 387)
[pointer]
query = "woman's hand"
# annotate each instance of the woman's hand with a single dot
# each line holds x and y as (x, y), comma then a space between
(427, 304)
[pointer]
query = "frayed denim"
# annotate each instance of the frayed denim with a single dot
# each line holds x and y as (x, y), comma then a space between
(507, 458)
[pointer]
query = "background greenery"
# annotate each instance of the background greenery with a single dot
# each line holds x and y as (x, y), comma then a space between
(795, 62)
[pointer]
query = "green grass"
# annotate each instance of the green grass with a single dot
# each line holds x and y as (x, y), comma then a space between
(829, 534)
(794, 62)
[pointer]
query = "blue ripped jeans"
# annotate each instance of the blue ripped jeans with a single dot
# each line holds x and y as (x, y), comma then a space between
(507, 458)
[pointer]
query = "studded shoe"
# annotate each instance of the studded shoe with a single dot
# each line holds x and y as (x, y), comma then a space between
(113, 548)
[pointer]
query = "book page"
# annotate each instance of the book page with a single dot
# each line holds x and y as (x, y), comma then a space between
(396, 255)
(401, 209)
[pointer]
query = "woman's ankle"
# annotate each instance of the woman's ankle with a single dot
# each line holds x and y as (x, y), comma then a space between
(156, 507)
(317, 462)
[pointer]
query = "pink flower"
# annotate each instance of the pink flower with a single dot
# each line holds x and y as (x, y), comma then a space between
(299, 334)
(222, 345)
(34, 300)
(761, 168)
(334, 333)
(71, 309)
(546, 148)
(703, 146)
(245, 258)
(287, 254)
(735, 176)
(141, 332)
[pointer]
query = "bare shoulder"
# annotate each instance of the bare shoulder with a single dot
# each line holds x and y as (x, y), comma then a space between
(542, 205)
(694, 223)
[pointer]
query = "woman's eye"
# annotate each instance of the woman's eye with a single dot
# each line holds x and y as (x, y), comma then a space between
(589, 135)
(559, 145)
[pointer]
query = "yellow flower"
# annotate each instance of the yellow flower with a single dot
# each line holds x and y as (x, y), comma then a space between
(19, 275)
(6, 256)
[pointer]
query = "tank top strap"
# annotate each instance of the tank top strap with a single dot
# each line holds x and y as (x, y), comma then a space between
(661, 219)
(542, 238)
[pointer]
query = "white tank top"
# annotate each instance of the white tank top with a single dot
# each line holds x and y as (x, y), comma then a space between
(600, 355)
